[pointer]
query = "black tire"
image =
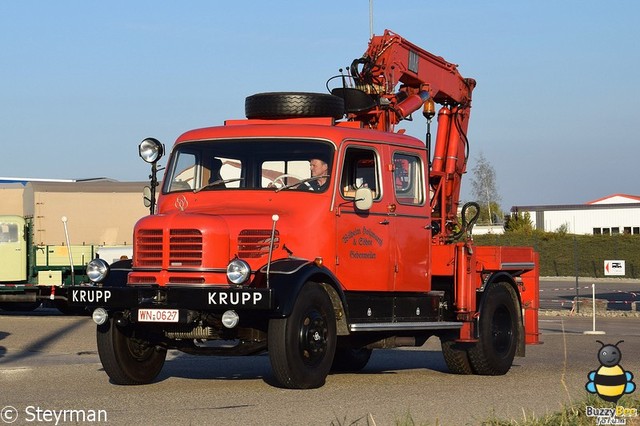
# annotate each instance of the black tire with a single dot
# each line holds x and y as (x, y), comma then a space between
(301, 346)
(498, 331)
(350, 360)
(293, 104)
(126, 359)
(455, 354)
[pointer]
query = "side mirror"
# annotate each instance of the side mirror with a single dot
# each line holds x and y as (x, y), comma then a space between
(364, 198)
(146, 196)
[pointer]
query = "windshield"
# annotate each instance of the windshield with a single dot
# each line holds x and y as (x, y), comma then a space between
(269, 164)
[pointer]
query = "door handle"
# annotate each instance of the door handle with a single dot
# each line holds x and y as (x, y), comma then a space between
(384, 222)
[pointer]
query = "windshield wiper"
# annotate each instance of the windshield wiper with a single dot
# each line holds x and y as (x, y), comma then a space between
(216, 182)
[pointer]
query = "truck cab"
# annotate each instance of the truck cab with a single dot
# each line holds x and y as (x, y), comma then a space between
(225, 184)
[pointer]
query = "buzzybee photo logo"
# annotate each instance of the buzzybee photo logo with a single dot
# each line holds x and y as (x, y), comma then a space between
(610, 381)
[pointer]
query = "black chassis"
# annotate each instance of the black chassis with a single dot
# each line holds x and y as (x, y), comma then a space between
(256, 303)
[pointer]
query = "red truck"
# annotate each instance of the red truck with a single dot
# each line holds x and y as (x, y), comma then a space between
(315, 231)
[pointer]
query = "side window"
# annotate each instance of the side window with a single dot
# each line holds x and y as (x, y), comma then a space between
(360, 170)
(184, 173)
(8, 232)
(407, 178)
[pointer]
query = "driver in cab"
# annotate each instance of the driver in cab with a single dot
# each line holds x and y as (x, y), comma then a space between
(320, 170)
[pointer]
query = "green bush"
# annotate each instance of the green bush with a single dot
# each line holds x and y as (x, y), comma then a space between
(565, 255)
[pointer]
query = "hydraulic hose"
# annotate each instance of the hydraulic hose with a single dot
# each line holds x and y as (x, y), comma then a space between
(467, 226)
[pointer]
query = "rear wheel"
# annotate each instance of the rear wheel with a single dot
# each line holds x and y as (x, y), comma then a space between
(127, 359)
(498, 331)
(301, 346)
(455, 354)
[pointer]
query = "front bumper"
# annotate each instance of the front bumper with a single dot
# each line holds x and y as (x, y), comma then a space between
(210, 298)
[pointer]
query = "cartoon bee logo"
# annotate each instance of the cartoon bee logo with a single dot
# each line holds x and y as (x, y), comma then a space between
(610, 381)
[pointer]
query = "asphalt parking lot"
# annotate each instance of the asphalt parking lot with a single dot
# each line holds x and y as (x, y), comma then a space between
(49, 362)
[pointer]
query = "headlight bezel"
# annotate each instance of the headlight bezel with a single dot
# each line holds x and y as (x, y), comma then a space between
(97, 270)
(238, 271)
(150, 150)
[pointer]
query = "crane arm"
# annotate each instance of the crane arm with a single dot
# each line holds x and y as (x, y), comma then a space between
(395, 60)
(377, 102)
(391, 60)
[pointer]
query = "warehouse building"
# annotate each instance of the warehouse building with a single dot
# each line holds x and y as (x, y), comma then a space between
(98, 211)
(611, 215)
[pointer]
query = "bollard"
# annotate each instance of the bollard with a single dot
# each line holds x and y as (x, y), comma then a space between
(593, 298)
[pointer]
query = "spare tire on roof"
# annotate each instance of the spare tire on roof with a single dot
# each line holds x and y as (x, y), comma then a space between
(293, 104)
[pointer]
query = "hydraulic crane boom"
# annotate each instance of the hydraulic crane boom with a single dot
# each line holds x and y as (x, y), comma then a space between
(390, 60)
(424, 78)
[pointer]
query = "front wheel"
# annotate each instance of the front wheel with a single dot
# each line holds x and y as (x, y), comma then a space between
(301, 346)
(499, 330)
(127, 359)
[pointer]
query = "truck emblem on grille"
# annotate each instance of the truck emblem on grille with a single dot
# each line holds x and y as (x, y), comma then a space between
(181, 203)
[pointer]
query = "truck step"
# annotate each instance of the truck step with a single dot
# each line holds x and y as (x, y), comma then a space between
(398, 326)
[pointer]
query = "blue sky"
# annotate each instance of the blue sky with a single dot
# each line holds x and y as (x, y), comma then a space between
(554, 111)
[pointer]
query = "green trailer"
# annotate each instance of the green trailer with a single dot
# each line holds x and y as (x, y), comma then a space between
(31, 274)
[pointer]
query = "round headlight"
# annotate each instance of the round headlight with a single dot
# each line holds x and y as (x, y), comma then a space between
(230, 319)
(100, 316)
(97, 270)
(150, 150)
(238, 271)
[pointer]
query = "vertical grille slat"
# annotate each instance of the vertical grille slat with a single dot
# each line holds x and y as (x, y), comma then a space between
(254, 243)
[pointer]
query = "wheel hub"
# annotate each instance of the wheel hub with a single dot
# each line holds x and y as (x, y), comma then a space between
(313, 338)
(501, 331)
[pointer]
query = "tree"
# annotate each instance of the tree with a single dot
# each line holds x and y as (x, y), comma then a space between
(519, 222)
(483, 186)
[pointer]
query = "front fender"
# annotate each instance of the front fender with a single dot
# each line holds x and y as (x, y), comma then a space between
(287, 277)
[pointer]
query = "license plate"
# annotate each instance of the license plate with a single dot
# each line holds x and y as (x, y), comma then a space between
(158, 315)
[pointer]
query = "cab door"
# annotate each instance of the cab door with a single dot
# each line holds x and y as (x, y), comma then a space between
(13, 249)
(410, 222)
(363, 261)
